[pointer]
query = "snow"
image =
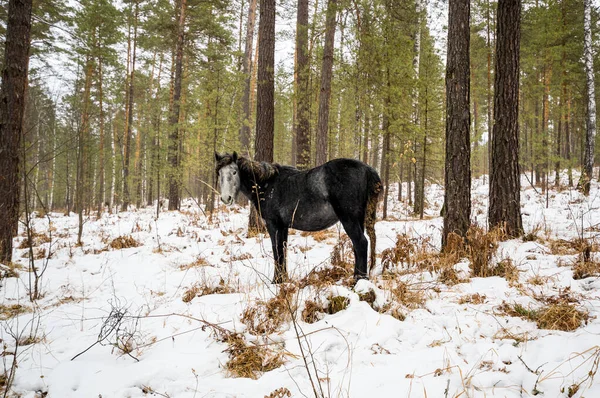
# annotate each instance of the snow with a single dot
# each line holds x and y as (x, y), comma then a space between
(443, 348)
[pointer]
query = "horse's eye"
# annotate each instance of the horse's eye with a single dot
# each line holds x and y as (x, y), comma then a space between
(235, 172)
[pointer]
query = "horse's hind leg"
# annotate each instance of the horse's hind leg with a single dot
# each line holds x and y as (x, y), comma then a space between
(356, 234)
(279, 237)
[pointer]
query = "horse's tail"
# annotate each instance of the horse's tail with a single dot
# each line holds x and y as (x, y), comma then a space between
(374, 191)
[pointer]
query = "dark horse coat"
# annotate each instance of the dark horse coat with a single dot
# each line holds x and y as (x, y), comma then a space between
(344, 190)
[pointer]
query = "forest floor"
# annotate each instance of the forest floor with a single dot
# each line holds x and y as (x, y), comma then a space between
(182, 306)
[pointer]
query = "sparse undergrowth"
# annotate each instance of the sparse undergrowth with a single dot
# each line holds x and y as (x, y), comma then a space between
(124, 242)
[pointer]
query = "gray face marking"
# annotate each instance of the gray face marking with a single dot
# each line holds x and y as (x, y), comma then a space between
(229, 179)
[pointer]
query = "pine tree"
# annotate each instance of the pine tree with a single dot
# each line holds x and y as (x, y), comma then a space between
(505, 186)
(457, 200)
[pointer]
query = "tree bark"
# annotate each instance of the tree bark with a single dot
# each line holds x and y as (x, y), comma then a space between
(302, 126)
(100, 192)
(12, 107)
(505, 186)
(128, 132)
(265, 97)
(590, 121)
(175, 136)
(457, 198)
(247, 72)
(326, 74)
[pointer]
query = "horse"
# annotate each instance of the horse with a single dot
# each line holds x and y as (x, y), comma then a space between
(344, 190)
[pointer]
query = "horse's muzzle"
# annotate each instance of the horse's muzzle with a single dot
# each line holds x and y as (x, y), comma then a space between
(228, 200)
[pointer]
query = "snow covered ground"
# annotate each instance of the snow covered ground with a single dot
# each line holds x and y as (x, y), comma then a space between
(154, 332)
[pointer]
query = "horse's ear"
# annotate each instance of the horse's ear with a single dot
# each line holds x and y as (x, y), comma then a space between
(218, 157)
(234, 157)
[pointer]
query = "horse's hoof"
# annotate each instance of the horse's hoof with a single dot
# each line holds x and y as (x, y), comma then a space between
(358, 277)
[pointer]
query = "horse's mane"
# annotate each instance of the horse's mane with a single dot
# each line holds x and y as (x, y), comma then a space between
(260, 171)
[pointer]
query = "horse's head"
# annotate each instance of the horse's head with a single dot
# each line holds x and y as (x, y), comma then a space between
(228, 174)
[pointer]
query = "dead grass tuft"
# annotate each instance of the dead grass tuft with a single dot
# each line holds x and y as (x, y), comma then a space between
(319, 236)
(312, 312)
(124, 242)
(472, 299)
(266, 317)
(337, 304)
(37, 238)
(580, 246)
(279, 393)
(585, 269)
(562, 316)
(250, 360)
(480, 249)
(199, 290)
(327, 276)
(410, 253)
(29, 340)
(342, 254)
(11, 311)
(199, 262)
(405, 294)
(557, 316)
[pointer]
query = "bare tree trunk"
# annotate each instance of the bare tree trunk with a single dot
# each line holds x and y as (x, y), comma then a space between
(247, 71)
(12, 107)
(590, 121)
(126, 196)
(326, 74)
(265, 95)
(100, 193)
(81, 148)
(175, 136)
(505, 185)
(457, 200)
(302, 136)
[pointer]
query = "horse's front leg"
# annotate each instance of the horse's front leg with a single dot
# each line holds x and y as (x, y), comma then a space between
(279, 235)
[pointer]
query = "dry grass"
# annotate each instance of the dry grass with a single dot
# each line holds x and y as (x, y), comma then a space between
(472, 299)
(480, 249)
(564, 247)
(405, 294)
(312, 312)
(29, 340)
(337, 304)
(199, 290)
(37, 238)
(124, 242)
(10, 311)
(279, 393)
(199, 262)
(10, 270)
(266, 317)
(319, 236)
(410, 253)
(250, 360)
(584, 269)
(563, 316)
(327, 276)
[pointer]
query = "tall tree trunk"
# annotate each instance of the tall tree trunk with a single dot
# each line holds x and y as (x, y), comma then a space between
(12, 107)
(457, 199)
(265, 106)
(590, 121)
(175, 136)
(489, 85)
(126, 195)
(325, 91)
(505, 185)
(82, 141)
(302, 136)
(100, 192)
(265, 96)
(247, 72)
